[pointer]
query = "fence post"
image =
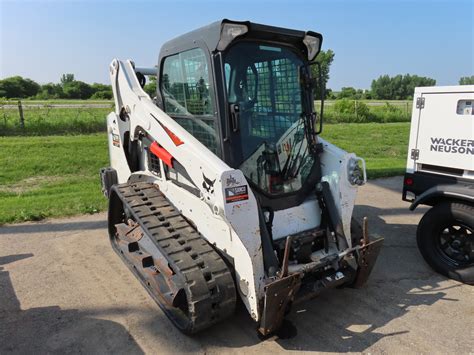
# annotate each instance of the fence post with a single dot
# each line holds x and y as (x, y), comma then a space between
(408, 115)
(4, 119)
(22, 119)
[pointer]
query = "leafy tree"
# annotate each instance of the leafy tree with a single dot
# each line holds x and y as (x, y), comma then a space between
(66, 78)
(381, 88)
(368, 95)
(399, 87)
(101, 95)
(330, 95)
(354, 94)
(347, 93)
(101, 91)
(50, 91)
(465, 80)
(18, 87)
(325, 59)
(351, 107)
(150, 87)
(77, 90)
(101, 87)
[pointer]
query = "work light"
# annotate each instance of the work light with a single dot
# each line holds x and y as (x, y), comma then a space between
(229, 32)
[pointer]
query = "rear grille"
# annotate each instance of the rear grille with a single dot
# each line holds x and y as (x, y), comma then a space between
(153, 163)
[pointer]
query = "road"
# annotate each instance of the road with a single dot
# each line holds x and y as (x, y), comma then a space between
(63, 290)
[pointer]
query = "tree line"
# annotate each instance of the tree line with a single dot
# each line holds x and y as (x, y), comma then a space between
(385, 87)
(68, 88)
(17, 87)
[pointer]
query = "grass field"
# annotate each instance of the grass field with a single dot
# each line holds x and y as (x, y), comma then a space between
(382, 145)
(55, 101)
(49, 120)
(372, 111)
(50, 176)
(58, 175)
(41, 121)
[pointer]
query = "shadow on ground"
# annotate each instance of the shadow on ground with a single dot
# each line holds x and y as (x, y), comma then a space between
(42, 227)
(53, 330)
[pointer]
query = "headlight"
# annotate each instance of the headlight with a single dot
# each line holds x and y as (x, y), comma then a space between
(356, 174)
(313, 44)
(229, 32)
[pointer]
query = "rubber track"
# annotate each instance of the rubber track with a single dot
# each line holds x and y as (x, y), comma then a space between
(208, 283)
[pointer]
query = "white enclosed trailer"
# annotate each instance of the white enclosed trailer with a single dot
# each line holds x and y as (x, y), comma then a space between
(440, 173)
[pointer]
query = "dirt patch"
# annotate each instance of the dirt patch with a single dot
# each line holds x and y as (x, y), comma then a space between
(29, 184)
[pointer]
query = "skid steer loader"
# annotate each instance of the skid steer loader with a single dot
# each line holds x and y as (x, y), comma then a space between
(220, 188)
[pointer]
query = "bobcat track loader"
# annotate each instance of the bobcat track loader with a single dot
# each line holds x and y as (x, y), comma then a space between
(220, 188)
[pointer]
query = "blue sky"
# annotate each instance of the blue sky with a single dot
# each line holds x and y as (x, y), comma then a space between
(44, 39)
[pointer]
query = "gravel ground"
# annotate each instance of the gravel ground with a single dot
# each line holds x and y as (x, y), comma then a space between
(63, 290)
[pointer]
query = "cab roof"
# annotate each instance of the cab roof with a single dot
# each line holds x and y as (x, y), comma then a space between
(210, 35)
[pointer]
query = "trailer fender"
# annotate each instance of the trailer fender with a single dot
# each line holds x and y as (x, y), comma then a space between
(443, 192)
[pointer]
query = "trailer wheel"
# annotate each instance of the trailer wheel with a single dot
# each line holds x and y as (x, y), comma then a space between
(445, 237)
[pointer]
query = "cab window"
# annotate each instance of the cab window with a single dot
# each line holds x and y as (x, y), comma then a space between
(186, 89)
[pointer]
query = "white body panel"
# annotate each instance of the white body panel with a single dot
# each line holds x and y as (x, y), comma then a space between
(297, 219)
(443, 130)
(334, 163)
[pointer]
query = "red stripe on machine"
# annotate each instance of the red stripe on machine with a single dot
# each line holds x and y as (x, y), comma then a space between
(173, 136)
(162, 153)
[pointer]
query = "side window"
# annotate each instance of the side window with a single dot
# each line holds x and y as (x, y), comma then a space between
(185, 86)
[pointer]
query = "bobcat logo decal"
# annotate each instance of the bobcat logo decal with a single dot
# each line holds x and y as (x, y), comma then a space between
(208, 184)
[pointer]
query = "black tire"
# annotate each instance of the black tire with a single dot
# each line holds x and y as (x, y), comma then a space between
(445, 237)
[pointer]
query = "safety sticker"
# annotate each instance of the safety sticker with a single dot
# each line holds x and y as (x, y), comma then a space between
(237, 193)
(116, 140)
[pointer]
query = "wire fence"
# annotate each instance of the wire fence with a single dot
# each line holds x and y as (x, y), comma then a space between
(38, 119)
(43, 119)
(364, 111)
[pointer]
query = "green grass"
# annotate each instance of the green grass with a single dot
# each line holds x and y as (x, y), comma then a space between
(382, 145)
(56, 176)
(54, 101)
(46, 120)
(51, 176)
(377, 111)
(40, 121)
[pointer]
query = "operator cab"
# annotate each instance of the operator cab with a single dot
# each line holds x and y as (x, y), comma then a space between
(244, 91)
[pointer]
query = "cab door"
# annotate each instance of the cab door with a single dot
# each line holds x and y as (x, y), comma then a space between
(188, 94)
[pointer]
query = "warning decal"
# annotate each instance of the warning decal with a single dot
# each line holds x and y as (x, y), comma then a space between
(237, 193)
(116, 140)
